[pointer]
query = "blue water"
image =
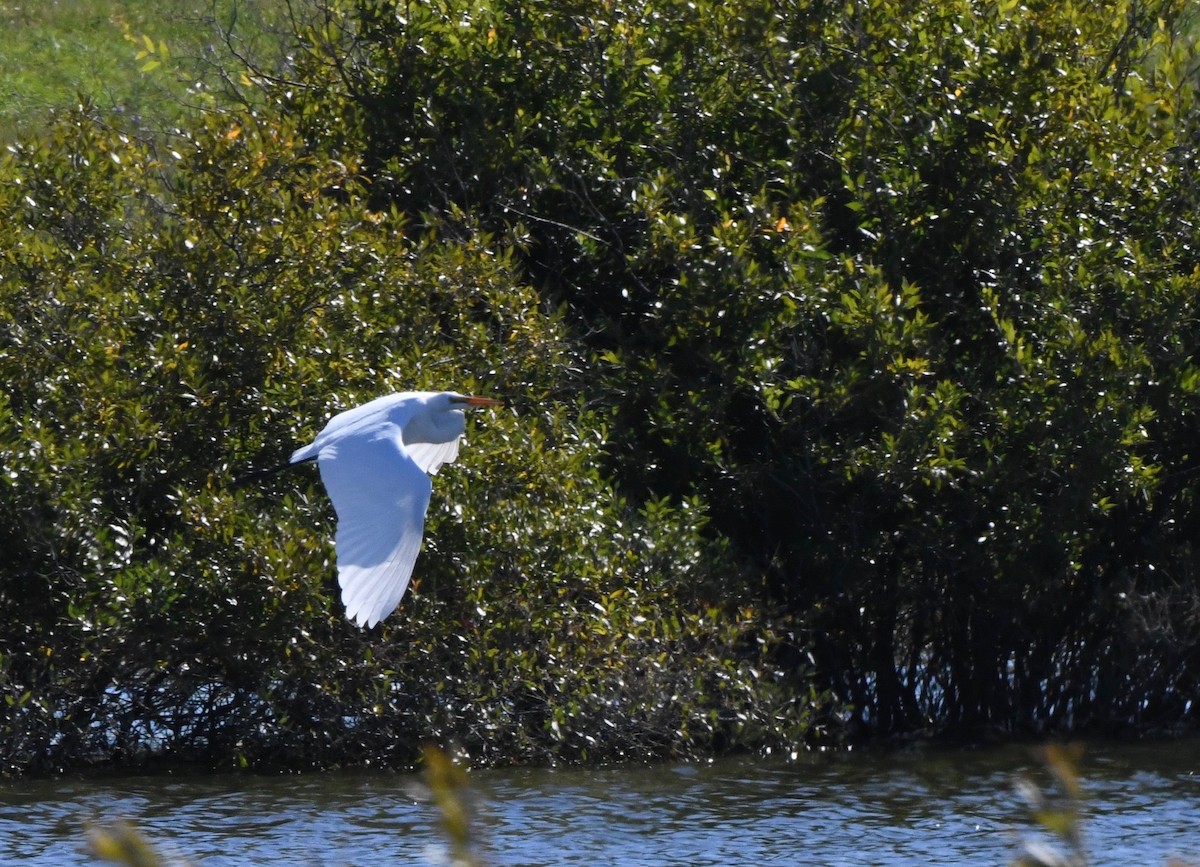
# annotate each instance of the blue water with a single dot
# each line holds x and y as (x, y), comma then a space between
(916, 807)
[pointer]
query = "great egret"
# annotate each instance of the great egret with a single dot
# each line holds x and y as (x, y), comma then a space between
(375, 461)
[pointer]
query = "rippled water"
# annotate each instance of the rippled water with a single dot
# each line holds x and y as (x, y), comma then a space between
(921, 806)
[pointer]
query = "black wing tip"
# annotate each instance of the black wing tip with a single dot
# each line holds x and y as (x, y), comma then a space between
(256, 475)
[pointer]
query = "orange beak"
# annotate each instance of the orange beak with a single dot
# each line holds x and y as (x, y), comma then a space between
(482, 401)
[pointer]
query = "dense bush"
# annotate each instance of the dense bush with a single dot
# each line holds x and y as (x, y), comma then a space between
(904, 291)
(849, 353)
(169, 322)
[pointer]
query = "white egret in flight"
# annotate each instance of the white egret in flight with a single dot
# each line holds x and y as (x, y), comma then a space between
(375, 461)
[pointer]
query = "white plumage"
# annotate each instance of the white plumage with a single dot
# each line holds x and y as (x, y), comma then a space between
(374, 460)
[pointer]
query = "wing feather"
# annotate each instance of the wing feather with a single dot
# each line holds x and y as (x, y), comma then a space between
(430, 456)
(380, 495)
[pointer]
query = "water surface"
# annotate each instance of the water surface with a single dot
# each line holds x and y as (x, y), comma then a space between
(914, 807)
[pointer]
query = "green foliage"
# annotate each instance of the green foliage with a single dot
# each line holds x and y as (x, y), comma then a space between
(904, 292)
(854, 336)
(168, 321)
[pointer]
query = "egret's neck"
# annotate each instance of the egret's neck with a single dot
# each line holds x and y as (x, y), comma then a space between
(435, 427)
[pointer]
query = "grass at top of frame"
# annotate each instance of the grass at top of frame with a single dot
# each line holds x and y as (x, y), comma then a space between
(151, 61)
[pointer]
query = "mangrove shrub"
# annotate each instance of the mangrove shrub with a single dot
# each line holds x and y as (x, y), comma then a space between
(174, 315)
(905, 293)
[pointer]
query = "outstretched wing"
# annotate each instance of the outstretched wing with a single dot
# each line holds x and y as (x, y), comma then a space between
(380, 495)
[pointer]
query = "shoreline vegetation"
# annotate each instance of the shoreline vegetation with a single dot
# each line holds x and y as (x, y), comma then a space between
(847, 351)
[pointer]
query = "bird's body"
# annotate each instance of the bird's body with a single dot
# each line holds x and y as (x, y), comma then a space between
(375, 461)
